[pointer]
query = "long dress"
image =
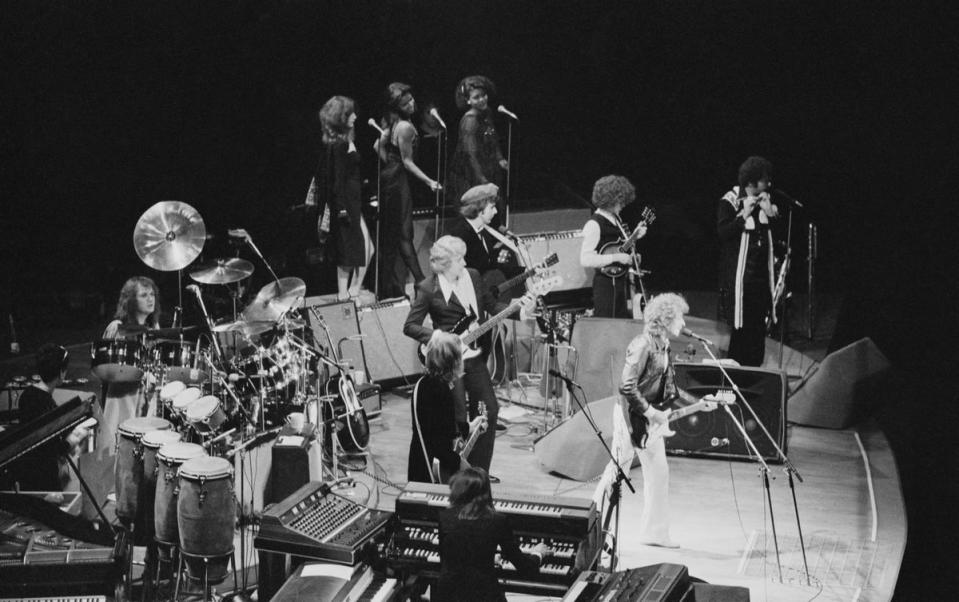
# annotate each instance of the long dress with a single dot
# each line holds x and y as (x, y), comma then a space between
(396, 220)
(340, 181)
(476, 158)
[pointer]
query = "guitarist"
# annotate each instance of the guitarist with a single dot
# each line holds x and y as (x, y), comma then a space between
(432, 403)
(610, 195)
(647, 381)
(452, 293)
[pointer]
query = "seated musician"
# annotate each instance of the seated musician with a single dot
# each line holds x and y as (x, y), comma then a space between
(610, 195)
(452, 293)
(44, 469)
(434, 425)
(470, 531)
(137, 308)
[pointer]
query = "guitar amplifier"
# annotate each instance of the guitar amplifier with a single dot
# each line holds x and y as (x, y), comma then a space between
(370, 399)
(566, 245)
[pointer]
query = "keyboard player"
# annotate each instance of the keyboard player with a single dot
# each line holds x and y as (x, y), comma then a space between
(470, 531)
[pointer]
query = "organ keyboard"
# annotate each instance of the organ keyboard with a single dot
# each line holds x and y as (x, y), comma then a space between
(314, 582)
(568, 526)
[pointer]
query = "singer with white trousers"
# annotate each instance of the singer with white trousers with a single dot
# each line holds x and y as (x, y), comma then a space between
(638, 422)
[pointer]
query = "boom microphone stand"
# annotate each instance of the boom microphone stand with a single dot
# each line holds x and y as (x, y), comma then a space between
(616, 489)
(788, 468)
(379, 205)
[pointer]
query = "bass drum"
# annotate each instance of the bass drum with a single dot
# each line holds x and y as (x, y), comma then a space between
(343, 406)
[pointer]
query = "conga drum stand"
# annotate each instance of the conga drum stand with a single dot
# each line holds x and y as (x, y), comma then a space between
(205, 579)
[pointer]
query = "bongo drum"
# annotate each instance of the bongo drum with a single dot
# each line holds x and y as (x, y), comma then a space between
(183, 399)
(206, 513)
(169, 459)
(206, 414)
(129, 463)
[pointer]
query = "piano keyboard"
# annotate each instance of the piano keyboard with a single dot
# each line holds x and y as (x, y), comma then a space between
(58, 599)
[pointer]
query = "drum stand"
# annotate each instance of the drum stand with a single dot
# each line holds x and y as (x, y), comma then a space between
(207, 590)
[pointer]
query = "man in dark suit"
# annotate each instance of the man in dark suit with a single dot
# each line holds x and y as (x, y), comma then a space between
(477, 210)
(450, 294)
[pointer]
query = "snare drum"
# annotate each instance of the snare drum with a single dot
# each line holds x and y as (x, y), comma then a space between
(117, 360)
(183, 400)
(129, 462)
(169, 459)
(181, 359)
(206, 414)
(206, 511)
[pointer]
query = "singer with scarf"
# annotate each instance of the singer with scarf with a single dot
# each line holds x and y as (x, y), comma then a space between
(746, 270)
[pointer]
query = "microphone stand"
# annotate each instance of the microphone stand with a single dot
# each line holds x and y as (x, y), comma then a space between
(508, 197)
(440, 193)
(788, 468)
(621, 477)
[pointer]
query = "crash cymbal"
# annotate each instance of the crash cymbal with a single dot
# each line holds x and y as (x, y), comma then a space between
(169, 235)
(222, 271)
(247, 328)
(274, 300)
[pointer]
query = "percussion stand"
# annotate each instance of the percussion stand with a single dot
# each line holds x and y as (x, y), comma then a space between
(256, 251)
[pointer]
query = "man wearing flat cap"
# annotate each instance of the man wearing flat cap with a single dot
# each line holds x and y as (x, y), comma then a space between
(477, 210)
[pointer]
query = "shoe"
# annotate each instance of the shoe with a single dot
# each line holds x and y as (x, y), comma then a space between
(670, 544)
(493, 479)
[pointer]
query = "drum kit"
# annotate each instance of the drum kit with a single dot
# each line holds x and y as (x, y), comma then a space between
(217, 388)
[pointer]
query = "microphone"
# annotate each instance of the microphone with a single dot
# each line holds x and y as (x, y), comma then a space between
(436, 114)
(717, 442)
(792, 200)
(689, 333)
(507, 112)
(564, 378)
(373, 125)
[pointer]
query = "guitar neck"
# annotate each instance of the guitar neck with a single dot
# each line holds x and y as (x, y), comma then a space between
(686, 411)
(488, 325)
(505, 286)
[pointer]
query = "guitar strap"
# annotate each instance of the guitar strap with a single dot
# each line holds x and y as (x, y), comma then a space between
(419, 431)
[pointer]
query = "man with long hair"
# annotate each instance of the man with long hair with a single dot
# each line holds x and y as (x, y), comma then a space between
(470, 532)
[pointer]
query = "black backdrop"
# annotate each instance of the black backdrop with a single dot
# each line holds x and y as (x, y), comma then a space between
(109, 107)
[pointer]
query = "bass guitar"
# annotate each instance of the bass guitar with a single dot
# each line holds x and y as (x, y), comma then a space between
(478, 426)
(615, 270)
(469, 331)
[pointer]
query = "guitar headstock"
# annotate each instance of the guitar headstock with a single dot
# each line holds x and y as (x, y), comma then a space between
(538, 288)
(649, 215)
(551, 260)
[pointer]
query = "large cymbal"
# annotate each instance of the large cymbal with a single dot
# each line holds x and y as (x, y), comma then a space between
(274, 300)
(222, 271)
(169, 235)
(247, 328)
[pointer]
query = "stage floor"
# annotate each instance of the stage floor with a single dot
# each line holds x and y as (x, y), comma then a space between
(850, 505)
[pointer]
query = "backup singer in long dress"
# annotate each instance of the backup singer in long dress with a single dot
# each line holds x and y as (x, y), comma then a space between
(647, 382)
(340, 182)
(452, 293)
(396, 147)
(478, 158)
(746, 277)
(610, 195)
(138, 306)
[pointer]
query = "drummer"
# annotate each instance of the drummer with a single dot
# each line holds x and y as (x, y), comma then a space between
(137, 308)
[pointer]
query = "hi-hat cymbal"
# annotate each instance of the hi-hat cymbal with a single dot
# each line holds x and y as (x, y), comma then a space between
(222, 271)
(274, 300)
(169, 235)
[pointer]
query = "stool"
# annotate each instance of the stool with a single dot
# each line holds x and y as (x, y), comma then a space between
(205, 560)
(167, 554)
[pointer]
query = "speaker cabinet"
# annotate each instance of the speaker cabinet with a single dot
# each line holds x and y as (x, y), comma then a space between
(567, 246)
(590, 457)
(295, 462)
(706, 592)
(341, 319)
(704, 434)
(838, 393)
(390, 355)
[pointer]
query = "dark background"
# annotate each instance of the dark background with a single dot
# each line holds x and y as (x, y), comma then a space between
(109, 107)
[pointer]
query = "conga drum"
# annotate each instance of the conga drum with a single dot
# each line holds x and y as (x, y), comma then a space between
(206, 513)
(169, 459)
(206, 414)
(152, 442)
(129, 462)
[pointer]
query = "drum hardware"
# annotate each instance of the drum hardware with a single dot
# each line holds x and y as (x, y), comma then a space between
(274, 300)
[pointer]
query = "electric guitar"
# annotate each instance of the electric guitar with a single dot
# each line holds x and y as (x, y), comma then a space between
(499, 287)
(478, 426)
(469, 331)
(706, 404)
(615, 270)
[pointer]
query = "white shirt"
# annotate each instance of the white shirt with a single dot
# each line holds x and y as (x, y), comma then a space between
(463, 288)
